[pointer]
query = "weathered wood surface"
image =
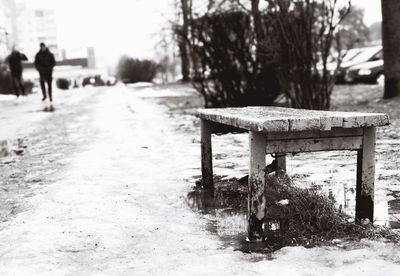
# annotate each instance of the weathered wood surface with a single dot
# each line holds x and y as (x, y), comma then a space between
(206, 154)
(256, 197)
(315, 144)
(366, 177)
(280, 119)
(335, 132)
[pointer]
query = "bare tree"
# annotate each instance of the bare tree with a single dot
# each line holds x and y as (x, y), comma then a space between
(244, 52)
(256, 14)
(307, 32)
(352, 32)
(183, 39)
(391, 46)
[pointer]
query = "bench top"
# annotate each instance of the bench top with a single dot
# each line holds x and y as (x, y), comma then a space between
(281, 119)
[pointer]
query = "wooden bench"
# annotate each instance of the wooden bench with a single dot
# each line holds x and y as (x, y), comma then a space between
(279, 131)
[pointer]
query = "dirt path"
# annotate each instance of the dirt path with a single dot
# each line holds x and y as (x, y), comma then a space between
(112, 207)
(112, 201)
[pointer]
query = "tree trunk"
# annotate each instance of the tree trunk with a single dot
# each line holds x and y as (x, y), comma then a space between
(183, 43)
(184, 61)
(391, 46)
(255, 11)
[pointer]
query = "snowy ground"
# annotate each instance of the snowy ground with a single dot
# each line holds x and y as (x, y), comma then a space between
(99, 187)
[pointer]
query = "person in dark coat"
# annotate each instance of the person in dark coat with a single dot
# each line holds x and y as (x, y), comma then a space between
(44, 63)
(14, 61)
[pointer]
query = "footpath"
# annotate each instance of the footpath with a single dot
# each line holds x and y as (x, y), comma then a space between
(100, 189)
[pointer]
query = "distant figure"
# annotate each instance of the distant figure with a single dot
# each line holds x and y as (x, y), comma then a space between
(15, 63)
(44, 63)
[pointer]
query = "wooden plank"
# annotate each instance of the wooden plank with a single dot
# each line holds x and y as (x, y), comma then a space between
(366, 177)
(256, 197)
(341, 118)
(314, 144)
(276, 125)
(304, 124)
(335, 132)
(365, 120)
(278, 119)
(290, 119)
(233, 117)
(325, 123)
(206, 155)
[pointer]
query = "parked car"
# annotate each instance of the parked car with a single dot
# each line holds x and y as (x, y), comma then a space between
(95, 80)
(331, 66)
(99, 80)
(367, 72)
(110, 80)
(359, 56)
(351, 54)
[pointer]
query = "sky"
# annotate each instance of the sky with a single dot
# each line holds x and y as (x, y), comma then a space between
(113, 27)
(116, 27)
(372, 10)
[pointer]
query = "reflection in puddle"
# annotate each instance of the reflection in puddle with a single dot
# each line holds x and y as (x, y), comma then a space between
(394, 213)
(49, 108)
(226, 213)
(386, 210)
(12, 147)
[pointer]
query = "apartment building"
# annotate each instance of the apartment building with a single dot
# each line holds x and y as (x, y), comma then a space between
(7, 27)
(34, 26)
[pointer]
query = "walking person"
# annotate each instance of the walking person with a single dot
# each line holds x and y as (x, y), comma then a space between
(44, 63)
(14, 61)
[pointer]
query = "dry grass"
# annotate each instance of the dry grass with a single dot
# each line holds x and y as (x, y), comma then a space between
(309, 219)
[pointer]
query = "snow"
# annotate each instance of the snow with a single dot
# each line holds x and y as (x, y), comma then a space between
(7, 97)
(118, 205)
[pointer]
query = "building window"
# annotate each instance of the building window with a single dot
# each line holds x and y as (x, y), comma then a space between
(39, 13)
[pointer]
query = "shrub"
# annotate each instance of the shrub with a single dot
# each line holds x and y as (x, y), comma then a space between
(306, 36)
(28, 86)
(6, 86)
(226, 71)
(241, 56)
(130, 70)
(63, 84)
(5, 80)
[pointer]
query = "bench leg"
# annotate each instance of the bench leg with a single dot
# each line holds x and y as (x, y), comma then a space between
(366, 177)
(256, 197)
(206, 155)
(281, 164)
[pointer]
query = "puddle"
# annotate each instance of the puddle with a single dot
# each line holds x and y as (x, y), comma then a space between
(49, 108)
(9, 148)
(225, 209)
(226, 215)
(394, 211)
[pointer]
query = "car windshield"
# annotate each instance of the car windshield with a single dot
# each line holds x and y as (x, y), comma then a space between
(351, 54)
(366, 54)
(348, 55)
